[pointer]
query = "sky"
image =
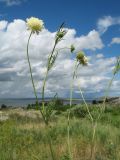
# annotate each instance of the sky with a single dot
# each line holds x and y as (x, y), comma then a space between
(93, 26)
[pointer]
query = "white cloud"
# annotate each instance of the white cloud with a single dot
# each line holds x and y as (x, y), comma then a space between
(3, 25)
(100, 55)
(12, 2)
(87, 42)
(115, 40)
(107, 21)
(14, 71)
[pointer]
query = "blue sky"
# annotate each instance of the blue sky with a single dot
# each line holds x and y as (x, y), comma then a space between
(97, 26)
(76, 13)
(79, 14)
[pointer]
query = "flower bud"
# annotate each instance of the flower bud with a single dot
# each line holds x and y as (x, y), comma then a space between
(72, 48)
(60, 34)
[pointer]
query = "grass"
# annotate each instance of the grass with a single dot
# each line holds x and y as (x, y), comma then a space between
(23, 136)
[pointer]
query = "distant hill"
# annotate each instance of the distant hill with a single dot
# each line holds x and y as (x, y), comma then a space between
(113, 100)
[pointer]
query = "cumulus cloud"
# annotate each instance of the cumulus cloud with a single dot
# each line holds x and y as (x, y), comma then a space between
(107, 21)
(115, 40)
(12, 2)
(3, 25)
(14, 71)
(87, 41)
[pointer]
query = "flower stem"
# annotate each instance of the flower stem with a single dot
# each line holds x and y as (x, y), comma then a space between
(68, 118)
(43, 100)
(50, 146)
(35, 93)
(107, 91)
(93, 143)
(43, 92)
(95, 125)
(87, 107)
(31, 76)
(106, 95)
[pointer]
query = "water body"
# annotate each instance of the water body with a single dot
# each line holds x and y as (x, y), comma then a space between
(25, 101)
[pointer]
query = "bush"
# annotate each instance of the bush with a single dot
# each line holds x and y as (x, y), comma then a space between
(79, 111)
(3, 106)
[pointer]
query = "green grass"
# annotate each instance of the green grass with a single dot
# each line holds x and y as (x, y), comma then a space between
(24, 137)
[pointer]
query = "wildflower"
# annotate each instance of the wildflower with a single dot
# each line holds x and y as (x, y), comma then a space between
(72, 48)
(35, 24)
(82, 59)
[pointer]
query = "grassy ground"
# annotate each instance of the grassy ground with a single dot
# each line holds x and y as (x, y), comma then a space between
(23, 135)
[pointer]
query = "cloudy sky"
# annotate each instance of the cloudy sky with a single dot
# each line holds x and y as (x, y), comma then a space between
(93, 26)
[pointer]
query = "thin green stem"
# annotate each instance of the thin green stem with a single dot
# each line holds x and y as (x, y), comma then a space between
(93, 125)
(44, 82)
(31, 75)
(93, 143)
(71, 86)
(45, 79)
(68, 119)
(50, 143)
(43, 92)
(51, 149)
(107, 92)
(91, 118)
(106, 95)
(52, 52)
(103, 109)
(44, 118)
(68, 135)
(43, 98)
(35, 93)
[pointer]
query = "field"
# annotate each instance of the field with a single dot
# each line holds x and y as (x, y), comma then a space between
(23, 135)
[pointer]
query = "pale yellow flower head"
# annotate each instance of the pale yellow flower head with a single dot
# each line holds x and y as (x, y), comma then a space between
(85, 61)
(35, 24)
(82, 59)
